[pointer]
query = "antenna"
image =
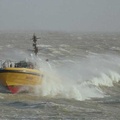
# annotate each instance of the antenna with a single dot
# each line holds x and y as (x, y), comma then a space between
(34, 38)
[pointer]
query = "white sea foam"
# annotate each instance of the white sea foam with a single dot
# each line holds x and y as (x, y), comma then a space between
(80, 80)
(64, 50)
(44, 46)
(64, 45)
(115, 48)
(106, 79)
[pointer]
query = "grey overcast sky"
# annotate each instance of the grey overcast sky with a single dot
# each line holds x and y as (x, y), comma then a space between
(60, 15)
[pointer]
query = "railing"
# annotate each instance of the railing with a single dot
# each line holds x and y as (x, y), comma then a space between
(6, 63)
(21, 64)
(14, 64)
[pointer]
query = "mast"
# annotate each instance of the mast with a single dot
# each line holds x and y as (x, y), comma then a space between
(34, 39)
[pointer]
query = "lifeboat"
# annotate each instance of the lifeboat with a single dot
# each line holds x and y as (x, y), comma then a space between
(19, 77)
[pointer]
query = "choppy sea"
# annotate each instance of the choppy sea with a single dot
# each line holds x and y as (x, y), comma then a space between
(81, 77)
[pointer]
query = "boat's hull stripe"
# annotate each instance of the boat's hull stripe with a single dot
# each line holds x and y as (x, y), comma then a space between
(20, 71)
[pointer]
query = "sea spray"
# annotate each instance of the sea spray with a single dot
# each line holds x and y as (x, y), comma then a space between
(79, 80)
(106, 79)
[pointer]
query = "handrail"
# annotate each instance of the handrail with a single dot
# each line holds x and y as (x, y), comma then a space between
(9, 63)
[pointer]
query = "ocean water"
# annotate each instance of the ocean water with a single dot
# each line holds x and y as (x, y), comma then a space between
(81, 79)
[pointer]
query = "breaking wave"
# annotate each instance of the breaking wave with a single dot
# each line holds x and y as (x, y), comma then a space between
(79, 80)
